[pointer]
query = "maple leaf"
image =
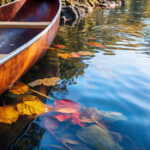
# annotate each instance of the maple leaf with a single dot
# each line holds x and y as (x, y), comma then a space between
(19, 88)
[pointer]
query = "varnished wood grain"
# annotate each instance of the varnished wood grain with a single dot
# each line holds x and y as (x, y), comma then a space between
(13, 69)
(7, 12)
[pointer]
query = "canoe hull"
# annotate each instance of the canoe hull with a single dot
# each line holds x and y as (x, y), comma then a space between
(13, 69)
(8, 11)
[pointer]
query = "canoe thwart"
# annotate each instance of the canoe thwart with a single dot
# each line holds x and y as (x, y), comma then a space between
(32, 25)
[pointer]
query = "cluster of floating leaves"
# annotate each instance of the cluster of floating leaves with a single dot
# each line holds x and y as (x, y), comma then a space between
(66, 55)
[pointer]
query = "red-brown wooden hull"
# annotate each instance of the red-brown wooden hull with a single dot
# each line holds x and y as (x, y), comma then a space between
(8, 11)
(14, 68)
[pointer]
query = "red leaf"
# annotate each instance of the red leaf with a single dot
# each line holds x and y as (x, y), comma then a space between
(60, 46)
(95, 44)
(63, 117)
(66, 106)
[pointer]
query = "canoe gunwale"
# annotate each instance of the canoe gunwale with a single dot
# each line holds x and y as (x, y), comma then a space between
(30, 42)
(9, 3)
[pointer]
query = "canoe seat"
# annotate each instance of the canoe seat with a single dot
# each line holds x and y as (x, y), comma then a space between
(28, 25)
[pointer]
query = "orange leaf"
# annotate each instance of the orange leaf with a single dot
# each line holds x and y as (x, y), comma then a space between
(8, 114)
(64, 55)
(95, 44)
(60, 46)
(19, 88)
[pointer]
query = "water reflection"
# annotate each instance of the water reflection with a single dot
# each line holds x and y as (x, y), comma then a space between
(111, 80)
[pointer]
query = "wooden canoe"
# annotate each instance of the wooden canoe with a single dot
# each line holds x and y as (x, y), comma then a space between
(21, 48)
(8, 11)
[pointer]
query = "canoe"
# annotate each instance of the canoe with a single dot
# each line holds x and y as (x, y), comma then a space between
(8, 11)
(20, 48)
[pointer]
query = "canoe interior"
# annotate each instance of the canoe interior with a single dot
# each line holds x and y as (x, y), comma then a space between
(32, 11)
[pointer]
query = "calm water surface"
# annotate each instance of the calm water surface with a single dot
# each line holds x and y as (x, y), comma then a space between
(114, 80)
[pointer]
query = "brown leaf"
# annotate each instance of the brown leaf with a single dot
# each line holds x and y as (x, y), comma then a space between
(46, 81)
(19, 88)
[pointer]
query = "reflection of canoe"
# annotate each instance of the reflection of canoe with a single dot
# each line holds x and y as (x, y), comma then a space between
(8, 11)
(21, 48)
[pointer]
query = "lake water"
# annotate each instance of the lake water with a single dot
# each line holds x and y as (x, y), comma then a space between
(112, 82)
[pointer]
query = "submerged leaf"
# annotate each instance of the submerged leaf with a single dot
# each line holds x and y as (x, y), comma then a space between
(66, 106)
(95, 44)
(50, 123)
(46, 81)
(8, 114)
(19, 88)
(98, 138)
(65, 55)
(63, 117)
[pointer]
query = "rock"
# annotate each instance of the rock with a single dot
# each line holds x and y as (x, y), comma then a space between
(74, 10)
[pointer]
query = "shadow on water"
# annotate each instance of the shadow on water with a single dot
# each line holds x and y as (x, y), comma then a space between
(101, 67)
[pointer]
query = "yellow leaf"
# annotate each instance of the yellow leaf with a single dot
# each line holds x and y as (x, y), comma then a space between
(46, 81)
(19, 88)
(31, 108)
(8, 114)
(64, 55)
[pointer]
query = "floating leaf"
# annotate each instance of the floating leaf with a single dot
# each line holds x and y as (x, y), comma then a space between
(86, 53)
(19, 88)
(32, 108)
(46, 81)
(98, 138)
(75, 55)
(65, 55)
(95, 44)
(8, 114)
(60, 46)
(66, 106)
